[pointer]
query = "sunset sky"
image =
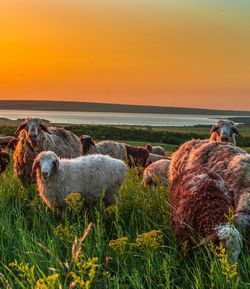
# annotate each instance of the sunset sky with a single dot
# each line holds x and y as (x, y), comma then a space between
(155, 52)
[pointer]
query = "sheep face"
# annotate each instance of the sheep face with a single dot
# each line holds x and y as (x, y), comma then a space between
(47, 162)
(32, 127)
(232, 241)
(87, 142)
(225, 131)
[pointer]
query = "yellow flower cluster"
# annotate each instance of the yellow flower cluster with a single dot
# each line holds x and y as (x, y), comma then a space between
(112, 209)
(228, 270)
(26, 272)
(86, 273)
(75, 201)
(152, 239)
(48, 282)
(66, 232)
(119, 244)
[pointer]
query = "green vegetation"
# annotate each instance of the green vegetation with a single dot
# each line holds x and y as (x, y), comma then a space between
(129, 245)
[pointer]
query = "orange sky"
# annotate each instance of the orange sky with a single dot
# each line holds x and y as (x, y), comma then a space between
(138, 52)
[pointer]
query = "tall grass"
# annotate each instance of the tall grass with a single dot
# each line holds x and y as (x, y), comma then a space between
(129, 245)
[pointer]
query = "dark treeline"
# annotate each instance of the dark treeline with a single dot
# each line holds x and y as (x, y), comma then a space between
(102, 132)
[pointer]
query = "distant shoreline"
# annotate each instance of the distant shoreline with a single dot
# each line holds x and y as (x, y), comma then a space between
(106, 107)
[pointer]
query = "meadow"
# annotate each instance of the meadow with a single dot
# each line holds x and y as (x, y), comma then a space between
(127, 245)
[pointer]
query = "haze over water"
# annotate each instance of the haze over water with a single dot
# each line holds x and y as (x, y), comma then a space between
(113, 118)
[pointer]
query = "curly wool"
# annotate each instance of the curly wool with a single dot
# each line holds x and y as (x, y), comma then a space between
(199, 203)
(156, 173)
(108, 147)
(228, 161)
(90, 175)
(62, 142)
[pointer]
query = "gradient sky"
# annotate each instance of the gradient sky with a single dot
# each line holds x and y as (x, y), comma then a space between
(155, 52)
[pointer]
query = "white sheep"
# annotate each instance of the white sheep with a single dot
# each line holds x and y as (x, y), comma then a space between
(35, 137)
(225, 159)
(108, 147)
(158, 150)
(224, 131)
(90, 175)
(156, 173)
(200, 203)
(155, 157)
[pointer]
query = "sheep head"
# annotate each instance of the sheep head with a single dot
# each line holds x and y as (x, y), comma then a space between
(230, 238)
(87, 142)
(148, 147)
(48, 164)
(32, 127)
(224, 131)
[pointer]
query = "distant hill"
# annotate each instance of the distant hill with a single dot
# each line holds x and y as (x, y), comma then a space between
(106, 107)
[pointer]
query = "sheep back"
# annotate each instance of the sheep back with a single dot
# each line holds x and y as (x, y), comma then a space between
(156, 172)
(199, 202)
(158, 150)
(90, 175)
(137, 156)
(66, 144)
(228, 161)
(114, 149)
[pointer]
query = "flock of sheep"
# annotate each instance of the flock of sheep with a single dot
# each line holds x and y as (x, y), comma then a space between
(210, 179)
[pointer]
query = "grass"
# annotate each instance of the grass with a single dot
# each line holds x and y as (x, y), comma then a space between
(37, 251)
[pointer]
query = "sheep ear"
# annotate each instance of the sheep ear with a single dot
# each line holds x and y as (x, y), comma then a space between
(56, 163)
(44, 128)
(212, 237)
(236, 131)
(213, 129)
(34, 168)
(21, 127)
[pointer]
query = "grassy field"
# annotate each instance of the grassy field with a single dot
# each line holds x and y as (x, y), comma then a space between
(129, 245)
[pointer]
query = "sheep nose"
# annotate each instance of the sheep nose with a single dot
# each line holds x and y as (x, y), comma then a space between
(45, 175)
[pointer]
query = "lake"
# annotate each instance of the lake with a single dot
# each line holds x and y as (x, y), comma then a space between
(113, 118)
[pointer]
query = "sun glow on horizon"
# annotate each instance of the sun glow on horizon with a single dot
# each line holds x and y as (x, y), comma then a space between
(150, 54)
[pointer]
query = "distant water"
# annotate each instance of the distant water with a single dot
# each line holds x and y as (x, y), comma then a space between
(113, 118)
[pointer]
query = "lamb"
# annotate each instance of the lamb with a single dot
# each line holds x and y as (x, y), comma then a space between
(200, 204)
(158, 150)
(156, 173)
(89, 175)
(4, 161)
(108, 147)
(225, 159)
(34, 137)
(137, 156)
(224, 131)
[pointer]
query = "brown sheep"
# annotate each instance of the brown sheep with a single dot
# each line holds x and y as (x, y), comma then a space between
(137, 156)
(34, 137)
(199, 203)
(225, 159)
